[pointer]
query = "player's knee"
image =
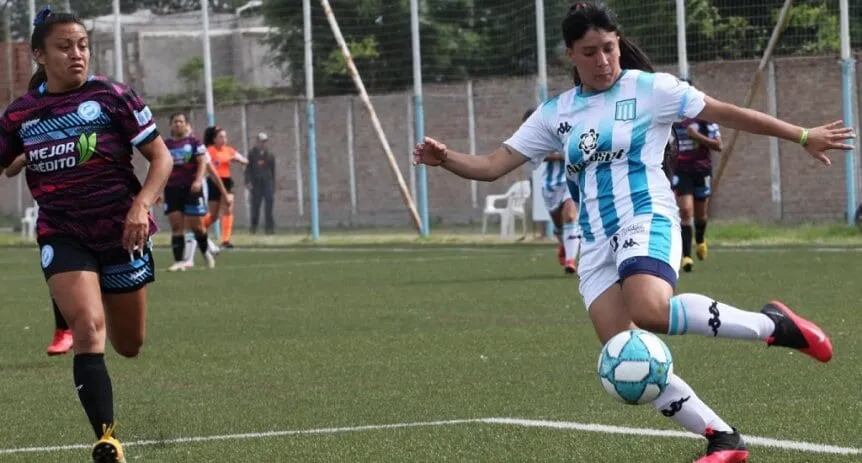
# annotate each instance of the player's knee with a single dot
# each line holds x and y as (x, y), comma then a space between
(130, 348)
(685, 214)
(650, 313)
(88, 332)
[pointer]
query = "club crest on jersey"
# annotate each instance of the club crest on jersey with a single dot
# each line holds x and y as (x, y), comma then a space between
(627, 110)
(89, 110)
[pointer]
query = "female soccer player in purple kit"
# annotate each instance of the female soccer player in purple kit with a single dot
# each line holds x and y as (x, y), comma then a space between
(94, 225)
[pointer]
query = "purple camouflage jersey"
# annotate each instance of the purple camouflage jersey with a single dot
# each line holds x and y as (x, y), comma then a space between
(78, 146)
(185, 152)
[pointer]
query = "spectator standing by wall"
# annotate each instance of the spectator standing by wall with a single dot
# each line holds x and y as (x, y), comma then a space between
(260, 179)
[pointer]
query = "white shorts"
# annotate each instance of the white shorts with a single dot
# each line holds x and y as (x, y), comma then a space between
(555, 197)
(603, 260)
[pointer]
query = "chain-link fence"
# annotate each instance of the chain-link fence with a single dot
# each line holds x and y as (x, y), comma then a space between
(479, 66)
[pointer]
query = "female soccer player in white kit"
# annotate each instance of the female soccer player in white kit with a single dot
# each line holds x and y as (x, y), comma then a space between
(612, 128)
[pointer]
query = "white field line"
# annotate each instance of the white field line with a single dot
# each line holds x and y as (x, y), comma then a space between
(564, 425)
(606, 429)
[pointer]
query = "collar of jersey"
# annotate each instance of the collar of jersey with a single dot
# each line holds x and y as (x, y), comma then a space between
(43, 88)
(585, 94)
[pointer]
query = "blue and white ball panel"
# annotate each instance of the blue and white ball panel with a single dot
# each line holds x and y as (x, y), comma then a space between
(635, 367)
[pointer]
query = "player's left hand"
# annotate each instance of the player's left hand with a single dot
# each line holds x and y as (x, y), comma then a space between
(196, 186)
(828, 137)
(137, 228)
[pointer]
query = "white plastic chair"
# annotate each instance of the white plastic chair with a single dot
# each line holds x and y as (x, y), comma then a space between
(28, 222)
(514, 208)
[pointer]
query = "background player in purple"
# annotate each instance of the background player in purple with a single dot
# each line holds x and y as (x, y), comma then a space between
(94, 225)
(61, 342)
(185, 204)
(694, 141)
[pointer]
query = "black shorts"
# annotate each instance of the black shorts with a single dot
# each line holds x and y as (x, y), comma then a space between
(119, 270)
(213, 193)
(693, 183)
(179, 199)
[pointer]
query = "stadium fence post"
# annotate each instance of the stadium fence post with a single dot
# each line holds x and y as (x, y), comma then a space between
(310, 115)
(421, 171)
(351, 163)
(774, 147)
(848, 80)
(375, 121)
(411, 140)
(118, 43)
(681, 46)
(542, 65)
(471, 128)
(208, 66)
(297, 143)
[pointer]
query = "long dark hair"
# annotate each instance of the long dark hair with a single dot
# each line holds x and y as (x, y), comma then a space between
(584, 16)
(42, 27)
(210, 135)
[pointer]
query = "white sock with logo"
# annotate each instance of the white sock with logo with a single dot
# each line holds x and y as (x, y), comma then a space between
(571, 240)
(679, 403)
(699, 314)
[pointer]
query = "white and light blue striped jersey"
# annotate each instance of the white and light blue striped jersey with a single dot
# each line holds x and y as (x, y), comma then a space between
(614, 145)
(554, 175)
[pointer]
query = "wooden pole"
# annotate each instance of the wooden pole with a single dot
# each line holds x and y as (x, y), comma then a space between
(378, 128)
(753, 89)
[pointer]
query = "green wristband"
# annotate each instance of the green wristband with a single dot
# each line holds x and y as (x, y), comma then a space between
(803, 140)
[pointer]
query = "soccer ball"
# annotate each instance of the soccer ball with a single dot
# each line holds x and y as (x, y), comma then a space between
(635, 366)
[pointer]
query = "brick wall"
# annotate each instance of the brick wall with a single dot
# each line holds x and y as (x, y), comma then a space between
(809, 93)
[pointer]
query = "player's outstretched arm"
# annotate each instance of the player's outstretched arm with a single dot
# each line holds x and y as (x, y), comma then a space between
(486, 168)
(816, 141)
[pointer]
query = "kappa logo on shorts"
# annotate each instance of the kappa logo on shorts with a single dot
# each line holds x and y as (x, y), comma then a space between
(47, 255)
(630, 243)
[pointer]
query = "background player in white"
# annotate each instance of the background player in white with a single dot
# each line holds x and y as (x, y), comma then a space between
(562, 207)
(613, 127)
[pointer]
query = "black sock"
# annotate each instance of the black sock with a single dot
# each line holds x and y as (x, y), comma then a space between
(94, 390)
(178, 245)
(699, 230)
(686, 240)
(59, 321)
(203, 242)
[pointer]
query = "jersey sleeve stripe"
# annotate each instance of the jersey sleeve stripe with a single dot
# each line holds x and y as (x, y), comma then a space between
(143, 134)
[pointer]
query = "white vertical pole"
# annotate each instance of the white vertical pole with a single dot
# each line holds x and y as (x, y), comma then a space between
(471, 131)
(118, 44)
(208, 67)
(411, 140)
(421, 170)
(681, 47)
(540, 50)
(243, 124)
(774, 153)
(543, 75)
(848, 92)
(300, 197)
(351, 165)
(311, 132)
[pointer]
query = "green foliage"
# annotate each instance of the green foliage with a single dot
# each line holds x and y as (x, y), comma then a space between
(191, 73)
(475, 38)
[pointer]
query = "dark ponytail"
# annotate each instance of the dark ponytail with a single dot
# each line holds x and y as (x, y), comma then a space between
(210, 134)
(42, 26)
(584, 16)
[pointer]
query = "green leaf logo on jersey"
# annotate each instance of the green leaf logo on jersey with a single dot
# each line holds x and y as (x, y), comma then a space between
(86, 147)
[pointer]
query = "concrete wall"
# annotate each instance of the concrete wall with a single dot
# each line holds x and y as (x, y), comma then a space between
(809, 93)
